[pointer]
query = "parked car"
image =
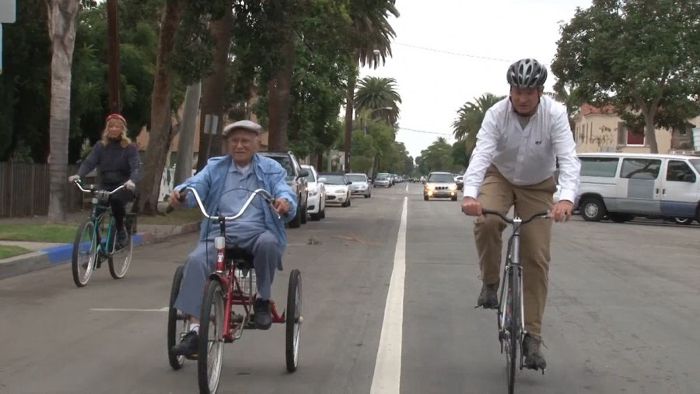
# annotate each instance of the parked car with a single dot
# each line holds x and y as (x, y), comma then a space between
(316, 206)
(296, 179)
(383, 179)
(440, 185)
(620, 186)
(360, 184)
(337, 188)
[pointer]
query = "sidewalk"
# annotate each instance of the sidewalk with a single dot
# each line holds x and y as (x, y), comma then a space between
(46, 255)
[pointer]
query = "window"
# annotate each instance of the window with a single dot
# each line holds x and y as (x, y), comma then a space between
(640, 168)
(635, 138)
(599, 166)
(695, 163)
(678, 171)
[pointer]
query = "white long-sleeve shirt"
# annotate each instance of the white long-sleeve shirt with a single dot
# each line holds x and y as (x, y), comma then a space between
(525, 156)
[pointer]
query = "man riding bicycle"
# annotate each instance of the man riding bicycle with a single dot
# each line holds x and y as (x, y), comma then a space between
(225, 184)
(119, 164)
(518, 146)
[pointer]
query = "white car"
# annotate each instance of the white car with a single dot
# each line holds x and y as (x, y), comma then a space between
(337, 188)
(316, 206)
(360, 184)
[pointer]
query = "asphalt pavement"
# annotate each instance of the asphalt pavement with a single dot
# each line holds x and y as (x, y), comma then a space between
(622, 315)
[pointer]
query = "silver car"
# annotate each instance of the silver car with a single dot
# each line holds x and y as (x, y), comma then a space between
(360, 184)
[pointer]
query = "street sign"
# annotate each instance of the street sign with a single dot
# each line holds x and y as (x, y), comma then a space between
(8, 11)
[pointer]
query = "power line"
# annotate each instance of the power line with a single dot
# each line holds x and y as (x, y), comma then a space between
(453, 53)
(423, 131)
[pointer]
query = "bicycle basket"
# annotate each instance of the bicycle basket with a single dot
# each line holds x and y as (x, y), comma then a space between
(246, 279)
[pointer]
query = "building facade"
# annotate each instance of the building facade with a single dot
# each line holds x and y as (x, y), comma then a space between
(602, 130)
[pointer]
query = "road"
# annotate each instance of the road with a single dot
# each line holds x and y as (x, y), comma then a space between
(623, 313)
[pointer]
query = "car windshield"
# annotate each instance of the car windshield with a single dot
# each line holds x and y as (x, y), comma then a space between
(441, 178)
(334, 179)
(383, 176)
(310, 177)
(695, 163)
(286, 164)
(356, 178)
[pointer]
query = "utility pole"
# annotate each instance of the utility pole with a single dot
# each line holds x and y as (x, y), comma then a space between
(113, 56)
(183, 169)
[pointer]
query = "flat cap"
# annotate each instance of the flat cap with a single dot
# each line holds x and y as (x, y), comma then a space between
(242, 124)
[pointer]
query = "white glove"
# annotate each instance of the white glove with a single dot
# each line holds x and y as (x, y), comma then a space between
(130, 185)
(73, 178)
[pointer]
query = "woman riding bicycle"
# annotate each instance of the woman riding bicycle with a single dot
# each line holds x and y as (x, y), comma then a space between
(119, 164)
(513, 164)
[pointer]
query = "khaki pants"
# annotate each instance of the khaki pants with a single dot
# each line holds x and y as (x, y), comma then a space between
(499, 194)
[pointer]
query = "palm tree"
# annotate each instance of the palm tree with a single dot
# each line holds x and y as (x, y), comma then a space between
(63, 15)
(471, 115)
(370, 41)
(379, 96)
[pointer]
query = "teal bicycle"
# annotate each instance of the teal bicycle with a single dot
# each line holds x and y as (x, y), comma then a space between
(96, 239)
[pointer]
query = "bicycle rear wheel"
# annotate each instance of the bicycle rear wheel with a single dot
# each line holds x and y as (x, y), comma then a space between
(294, 320)
(84, 253)
(211, 338)
(178, 324)
(120, 259)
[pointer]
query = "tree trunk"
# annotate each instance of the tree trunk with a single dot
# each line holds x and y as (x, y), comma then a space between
(213, 88)
(279, 90)
(349, 109)
(183, 169)
(649, 111)
(63, 15)
(161, 130)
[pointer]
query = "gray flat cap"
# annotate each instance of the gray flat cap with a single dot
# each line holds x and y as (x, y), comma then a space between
(242, 124)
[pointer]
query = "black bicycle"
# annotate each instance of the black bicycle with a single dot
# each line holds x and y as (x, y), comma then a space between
(95, 240)
(511, 312)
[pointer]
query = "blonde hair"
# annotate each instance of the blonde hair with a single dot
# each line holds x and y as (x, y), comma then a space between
(125, 140)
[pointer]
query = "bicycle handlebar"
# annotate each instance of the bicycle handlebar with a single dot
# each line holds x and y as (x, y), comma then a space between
(93, 188)
(262, 192)
(506, 219)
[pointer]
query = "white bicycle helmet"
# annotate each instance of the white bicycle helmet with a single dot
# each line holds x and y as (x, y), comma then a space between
(526, 73)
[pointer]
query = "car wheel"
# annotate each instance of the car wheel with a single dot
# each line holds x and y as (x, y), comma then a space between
(684, 221)
(426, 198)
(304, 212)
(296, 222)
(592, 209)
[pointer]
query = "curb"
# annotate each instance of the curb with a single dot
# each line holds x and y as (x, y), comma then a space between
(61, 254)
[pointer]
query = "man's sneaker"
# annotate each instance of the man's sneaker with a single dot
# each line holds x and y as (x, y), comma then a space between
(263, 318)
(188, 345)
(122, 239)
(488, 298)
(532, 349)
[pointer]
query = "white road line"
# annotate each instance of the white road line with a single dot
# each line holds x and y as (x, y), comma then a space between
(163, 309)
(387, 367)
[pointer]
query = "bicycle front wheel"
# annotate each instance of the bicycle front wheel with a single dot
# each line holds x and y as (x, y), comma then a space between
(211, 338)
(513, 328)
(84, 253)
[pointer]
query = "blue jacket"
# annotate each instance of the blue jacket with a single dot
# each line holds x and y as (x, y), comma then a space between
(209, 183)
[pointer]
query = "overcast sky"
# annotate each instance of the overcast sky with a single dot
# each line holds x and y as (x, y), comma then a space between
(448, 52)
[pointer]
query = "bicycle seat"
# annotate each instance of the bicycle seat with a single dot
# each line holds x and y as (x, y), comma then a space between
(241, 257)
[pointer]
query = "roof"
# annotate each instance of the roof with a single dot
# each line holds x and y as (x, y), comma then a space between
(588, 109)
(637, 155)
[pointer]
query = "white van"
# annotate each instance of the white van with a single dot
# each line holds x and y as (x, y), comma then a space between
(620, 186)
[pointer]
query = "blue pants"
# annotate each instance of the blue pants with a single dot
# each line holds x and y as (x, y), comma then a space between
(201, 262)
